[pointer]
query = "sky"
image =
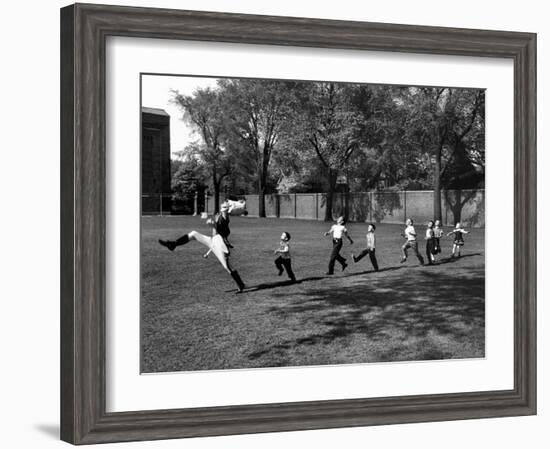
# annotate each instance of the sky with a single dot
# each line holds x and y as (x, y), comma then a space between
(155, 92)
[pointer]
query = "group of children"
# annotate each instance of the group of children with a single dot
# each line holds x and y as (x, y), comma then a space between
(219, 245)
(338, 231)
(434, 232)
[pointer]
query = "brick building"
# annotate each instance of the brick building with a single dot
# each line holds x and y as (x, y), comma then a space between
(155, 162)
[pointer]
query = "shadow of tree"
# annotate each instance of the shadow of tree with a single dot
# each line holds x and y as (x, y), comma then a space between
(381, 308)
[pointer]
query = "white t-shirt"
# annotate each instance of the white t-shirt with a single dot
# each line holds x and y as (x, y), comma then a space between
(284, 250)
(338, 231)
(410, 233)
(371, 240)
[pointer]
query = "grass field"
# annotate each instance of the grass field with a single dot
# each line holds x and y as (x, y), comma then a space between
(193, 320)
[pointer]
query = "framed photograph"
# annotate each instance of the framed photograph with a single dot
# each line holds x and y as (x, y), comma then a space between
(274, 223)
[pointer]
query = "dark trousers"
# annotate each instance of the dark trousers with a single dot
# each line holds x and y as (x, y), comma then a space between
(335, 255)
(414, 246)
(430, 249)
(372, 255)
(287, 264)
(437, 246)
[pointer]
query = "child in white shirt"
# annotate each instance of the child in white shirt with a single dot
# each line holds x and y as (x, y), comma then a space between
(338, 231)
(371, 248)
(410, 235)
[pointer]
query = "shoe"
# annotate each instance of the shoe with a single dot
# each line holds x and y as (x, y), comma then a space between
(403, 260)
(168, 244)
(280, 273)
(238, 280)
(328, 273)
(344, 266)
(353, 258)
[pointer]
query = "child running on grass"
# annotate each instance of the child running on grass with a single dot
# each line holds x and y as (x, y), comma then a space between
(371, 248)
(338, 231)
(430, 242)
(410, 235)
(458, 232)
(283, 260)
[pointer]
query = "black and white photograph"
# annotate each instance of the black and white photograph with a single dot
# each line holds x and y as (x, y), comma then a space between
(304, 223)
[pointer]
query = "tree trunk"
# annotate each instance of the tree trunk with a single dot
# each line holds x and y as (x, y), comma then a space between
(456, 207)
(332, 176)
(261, 195)
(437, 185)
(216, 196)
(262, 181)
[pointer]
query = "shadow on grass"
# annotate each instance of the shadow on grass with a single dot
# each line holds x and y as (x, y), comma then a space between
(455, 259)
(287, 283)
(270, 285)
(383, 308)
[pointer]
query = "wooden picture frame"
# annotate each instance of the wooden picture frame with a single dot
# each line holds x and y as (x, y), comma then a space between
(84, 29)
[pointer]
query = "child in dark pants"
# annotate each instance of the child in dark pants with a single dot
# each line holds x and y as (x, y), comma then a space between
(371, 248)
(410, 235)
(338, 232)
(430, 243)
(283, 260)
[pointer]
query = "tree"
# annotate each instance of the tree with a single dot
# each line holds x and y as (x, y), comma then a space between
(444, 123)
(204, 111)
(259, 113)
(338, 121)
(188, 178)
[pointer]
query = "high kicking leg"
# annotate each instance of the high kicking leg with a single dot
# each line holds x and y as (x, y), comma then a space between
(186, 238)
(214, 244)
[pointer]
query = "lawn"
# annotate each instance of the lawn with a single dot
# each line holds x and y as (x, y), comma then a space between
(191, 318)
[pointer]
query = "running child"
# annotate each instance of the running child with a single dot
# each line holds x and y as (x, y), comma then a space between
(458, 242)
(371, 248)
(430, 242)
(338, 231)
(410, 235)
(283, 259)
